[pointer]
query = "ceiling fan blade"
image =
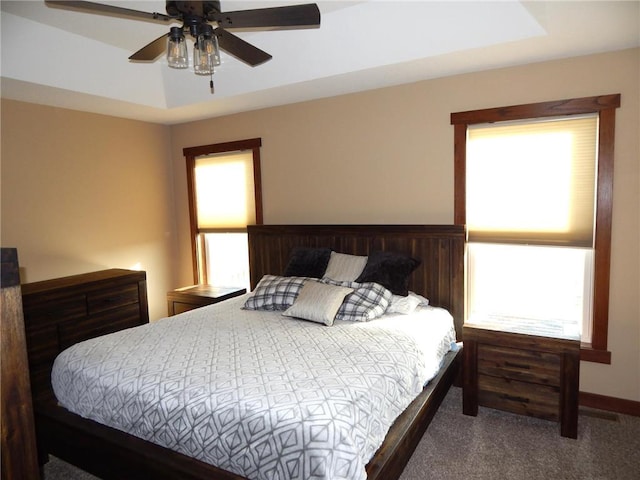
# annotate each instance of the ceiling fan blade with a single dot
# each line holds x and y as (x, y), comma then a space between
(291, 16)
(102, 9)
(151, 51)
(237, 47)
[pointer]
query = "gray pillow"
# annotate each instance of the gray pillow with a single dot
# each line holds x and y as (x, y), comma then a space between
(318, 302)
(345, 268)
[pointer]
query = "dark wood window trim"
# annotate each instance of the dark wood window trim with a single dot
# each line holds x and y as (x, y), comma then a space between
(604, 106)
(190, 154)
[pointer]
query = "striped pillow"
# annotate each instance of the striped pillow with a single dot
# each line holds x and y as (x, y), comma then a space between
(366, 302)
(275, 293)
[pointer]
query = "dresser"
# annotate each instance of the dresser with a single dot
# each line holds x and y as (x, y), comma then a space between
(61, 312)
(521, 368)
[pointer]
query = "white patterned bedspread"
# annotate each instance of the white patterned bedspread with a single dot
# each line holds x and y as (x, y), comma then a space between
(256, 393)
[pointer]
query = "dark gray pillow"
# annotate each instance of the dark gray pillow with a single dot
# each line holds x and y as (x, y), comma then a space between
(307, 262)
(389, 269)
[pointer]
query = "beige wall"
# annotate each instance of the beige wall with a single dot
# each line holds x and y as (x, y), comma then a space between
(84, 192)
(386, 156)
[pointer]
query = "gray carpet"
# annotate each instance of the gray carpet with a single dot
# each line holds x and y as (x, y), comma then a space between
(499, 445)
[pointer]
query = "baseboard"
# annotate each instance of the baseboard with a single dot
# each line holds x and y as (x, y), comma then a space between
(611, 404)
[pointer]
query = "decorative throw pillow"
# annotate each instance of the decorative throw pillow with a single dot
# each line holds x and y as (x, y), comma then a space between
(390, 270)
(274, 293)
(307, 262)
(366, 302)
(318, 302)
(344, 268)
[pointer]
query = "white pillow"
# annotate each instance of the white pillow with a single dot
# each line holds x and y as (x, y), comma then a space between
(318, 302)
(345, 268)
(406, 305)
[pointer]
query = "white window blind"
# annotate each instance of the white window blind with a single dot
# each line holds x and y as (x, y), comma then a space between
(225, 193)
(532, 182)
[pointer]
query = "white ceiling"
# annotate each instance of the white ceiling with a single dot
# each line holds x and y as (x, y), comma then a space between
(79, 61)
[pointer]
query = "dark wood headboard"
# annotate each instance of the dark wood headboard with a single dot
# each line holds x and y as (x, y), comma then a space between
(440, 276)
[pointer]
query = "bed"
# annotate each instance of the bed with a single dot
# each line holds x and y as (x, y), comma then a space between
(111, 453)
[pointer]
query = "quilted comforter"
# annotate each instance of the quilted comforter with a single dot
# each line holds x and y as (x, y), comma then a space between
(256, 393)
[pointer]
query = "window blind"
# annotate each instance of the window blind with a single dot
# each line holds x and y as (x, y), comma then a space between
(532, 182)
(225, 194)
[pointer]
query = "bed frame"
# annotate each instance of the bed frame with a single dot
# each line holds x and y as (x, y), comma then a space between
(112, 454)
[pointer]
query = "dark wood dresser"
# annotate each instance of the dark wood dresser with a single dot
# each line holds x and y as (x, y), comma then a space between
(61, 312)
(520, 369)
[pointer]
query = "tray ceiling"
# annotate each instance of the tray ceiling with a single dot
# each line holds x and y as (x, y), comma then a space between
(80, 61)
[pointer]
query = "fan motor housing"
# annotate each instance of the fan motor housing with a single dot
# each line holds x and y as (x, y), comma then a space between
(201, 9)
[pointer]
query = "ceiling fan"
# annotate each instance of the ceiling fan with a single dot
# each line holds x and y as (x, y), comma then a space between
(208, 25)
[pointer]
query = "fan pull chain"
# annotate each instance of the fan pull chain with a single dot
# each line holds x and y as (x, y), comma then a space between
(211, 82)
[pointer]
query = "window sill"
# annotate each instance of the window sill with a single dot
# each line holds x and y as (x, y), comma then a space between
(589, 354)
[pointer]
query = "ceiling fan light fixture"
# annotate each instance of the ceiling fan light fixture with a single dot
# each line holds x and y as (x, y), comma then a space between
(196, 17)
(177, 56)
(206, 52)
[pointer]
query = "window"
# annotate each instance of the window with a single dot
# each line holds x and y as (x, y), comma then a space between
(550, 286)
(533, 184)
(224, 197)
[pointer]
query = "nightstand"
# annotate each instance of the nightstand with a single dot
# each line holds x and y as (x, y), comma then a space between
(196, 296)
(521, 368)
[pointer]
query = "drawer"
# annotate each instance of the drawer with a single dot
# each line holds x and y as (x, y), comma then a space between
(179, 307)
(523, 398)
(516, 364)
(112, 298)
(43, 311)
(42, 343)
(97, 325)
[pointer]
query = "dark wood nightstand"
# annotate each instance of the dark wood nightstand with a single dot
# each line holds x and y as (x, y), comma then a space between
(196, 296)
(521, 369)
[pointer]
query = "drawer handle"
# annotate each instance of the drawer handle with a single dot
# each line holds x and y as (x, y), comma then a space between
(517, 365)
(515, 399)
(114, 299)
